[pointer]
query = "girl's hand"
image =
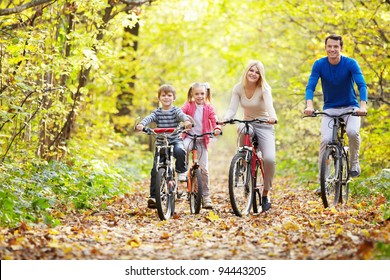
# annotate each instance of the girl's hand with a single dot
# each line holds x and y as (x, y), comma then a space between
(217, 131)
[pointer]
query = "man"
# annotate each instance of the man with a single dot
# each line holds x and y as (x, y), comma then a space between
(338, 74)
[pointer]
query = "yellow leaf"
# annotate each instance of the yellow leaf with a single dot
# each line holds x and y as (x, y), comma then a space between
(134, 242)
(53, 231)
(212, 216)
(196, 233)
(165, 235)
(365, 232)
(333, 210)
(290, 226)
(339, 231)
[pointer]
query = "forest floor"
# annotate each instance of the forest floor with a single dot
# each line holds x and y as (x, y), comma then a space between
(297, 227)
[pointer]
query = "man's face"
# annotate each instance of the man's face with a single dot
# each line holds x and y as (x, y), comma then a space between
(333, 48)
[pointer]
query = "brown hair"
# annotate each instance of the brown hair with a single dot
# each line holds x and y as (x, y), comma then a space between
(336, 38)
(167, 88)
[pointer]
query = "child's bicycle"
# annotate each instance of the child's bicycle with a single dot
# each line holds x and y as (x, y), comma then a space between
(334, 168)
(194, 183)
(166, 181)
(246, 183)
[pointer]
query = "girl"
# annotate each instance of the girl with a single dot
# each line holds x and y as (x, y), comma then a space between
(198, 106)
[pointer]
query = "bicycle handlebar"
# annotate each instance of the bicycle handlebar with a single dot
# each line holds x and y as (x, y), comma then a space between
(161, 130)
(232, 121)
(316, 113)
(211, 133)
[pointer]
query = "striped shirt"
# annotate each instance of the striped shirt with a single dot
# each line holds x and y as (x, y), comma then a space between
(166, 118)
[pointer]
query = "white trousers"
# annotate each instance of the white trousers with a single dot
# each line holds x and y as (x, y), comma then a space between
(352, 130)
(203, 159)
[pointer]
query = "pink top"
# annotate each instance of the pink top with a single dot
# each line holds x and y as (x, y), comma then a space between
(209, 120)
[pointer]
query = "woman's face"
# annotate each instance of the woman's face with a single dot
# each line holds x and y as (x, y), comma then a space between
(253, 74)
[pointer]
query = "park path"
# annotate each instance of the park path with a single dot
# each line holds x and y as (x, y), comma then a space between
(297, 227)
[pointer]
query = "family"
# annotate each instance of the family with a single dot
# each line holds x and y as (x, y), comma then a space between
(338, 75)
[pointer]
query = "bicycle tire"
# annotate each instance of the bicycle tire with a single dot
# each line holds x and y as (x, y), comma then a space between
(195, 195)
(240, 185)
(344, 188)
(259, 186)
(163, 196)
(330, 177)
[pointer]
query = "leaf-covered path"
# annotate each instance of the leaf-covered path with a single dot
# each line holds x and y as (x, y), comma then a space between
(297, 227)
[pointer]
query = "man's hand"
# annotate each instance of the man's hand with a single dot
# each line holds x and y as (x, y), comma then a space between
(362, 111)
(309, 108)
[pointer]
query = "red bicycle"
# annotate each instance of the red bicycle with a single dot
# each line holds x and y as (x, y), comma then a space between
(246, 172)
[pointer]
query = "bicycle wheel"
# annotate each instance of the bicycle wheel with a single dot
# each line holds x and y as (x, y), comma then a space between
(240, 185)
(163, 196)
(195, 195)
(344, 188)
(330, 177)
(258, 191)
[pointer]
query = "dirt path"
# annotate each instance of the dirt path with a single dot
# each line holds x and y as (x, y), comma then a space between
(297, 227)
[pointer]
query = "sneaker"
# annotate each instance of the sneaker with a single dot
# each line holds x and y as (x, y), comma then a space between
(265, 204)
(151, 203)
(318, 191)
(207, 204)
(355, 170)
(182, 177)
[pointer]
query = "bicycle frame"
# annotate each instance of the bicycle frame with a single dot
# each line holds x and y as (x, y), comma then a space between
(251, 145)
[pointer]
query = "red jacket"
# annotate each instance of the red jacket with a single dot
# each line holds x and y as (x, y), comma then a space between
(209, 120)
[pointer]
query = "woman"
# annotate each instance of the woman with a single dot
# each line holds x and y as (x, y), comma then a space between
(253, 94)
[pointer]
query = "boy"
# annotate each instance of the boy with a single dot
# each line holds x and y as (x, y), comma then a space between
(168, 116)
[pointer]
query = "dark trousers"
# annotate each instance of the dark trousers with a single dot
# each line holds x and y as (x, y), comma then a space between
(179, 153)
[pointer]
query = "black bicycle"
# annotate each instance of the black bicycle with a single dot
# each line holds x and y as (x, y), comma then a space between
(334, 166)
(166, 181)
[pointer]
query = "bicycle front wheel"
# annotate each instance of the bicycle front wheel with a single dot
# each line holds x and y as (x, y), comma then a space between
(195, 195)
(330, 177)
(164, 198)
(240, 185)
(344, 188)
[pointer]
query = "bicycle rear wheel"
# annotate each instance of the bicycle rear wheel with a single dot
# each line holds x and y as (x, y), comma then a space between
(195, 195)
(240, 185)
(164, 198)
(344, 188)
(330, 177)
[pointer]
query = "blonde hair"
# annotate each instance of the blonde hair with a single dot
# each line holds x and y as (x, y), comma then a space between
(206, 86)
(262, 82)
(166, 88)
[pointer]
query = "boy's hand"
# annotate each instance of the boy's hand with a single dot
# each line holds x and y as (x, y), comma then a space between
(188, 124)
(139, 127)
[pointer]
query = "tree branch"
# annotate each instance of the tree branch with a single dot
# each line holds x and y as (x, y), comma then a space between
(18, 9)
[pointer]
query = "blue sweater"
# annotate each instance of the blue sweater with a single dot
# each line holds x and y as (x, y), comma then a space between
(337, 82)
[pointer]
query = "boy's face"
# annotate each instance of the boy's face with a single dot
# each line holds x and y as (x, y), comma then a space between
(166, 99)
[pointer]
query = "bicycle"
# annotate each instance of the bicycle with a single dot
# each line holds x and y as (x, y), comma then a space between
(194, 182)
(334, 164)
(166, 181)
(244, 183)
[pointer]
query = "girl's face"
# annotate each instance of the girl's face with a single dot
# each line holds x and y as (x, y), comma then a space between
(253, 74)
(199, 95)
(166, 99)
